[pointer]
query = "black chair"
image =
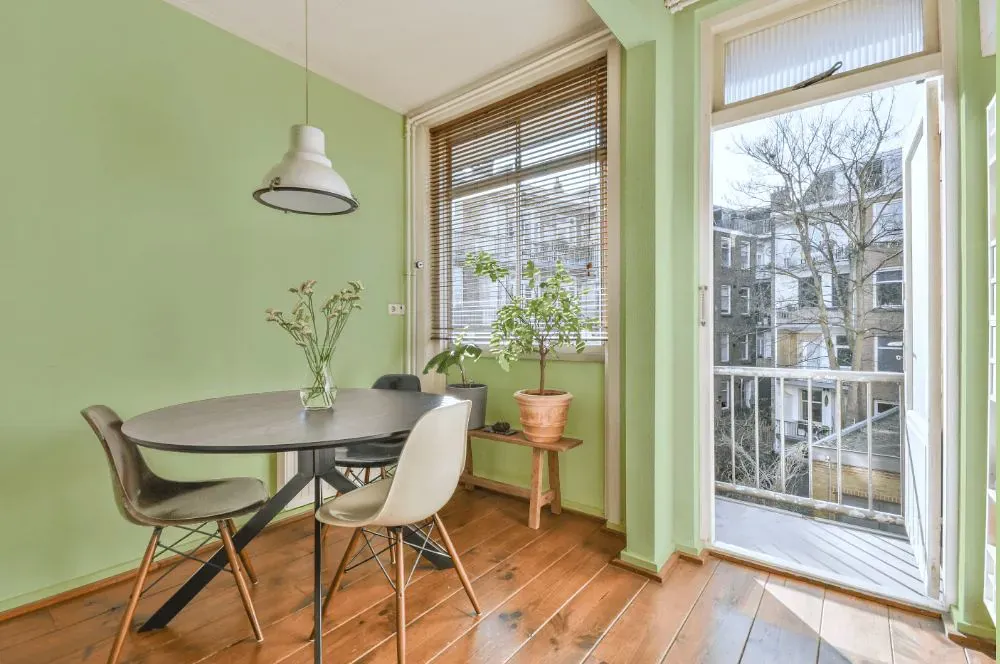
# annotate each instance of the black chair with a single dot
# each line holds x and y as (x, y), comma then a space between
(360, 460)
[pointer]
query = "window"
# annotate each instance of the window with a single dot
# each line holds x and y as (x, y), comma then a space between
(725, 300)
(841, 294)
(745, 255)
(747, 390)
(523, 179)
(724, 348)
(853, 33)
(889, 353)
(815, 405)
(745, 355)
(808, 293)
(726, 251)
(812, 353)
(764, 346)
(887, 221)
(744, 294)
(884, 406)
(845, 354)
(889, 288)
(763, 255)
(724, 394)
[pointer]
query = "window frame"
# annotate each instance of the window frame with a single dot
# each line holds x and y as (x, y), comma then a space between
(876, 284)
(745, 354)
(726, 252)
(724, 348)
(745, 298)
(725, 398)
(878, 348)
(725, 295)
(745, 260)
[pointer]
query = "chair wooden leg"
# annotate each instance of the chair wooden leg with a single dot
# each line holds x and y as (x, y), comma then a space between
(133, 600)
(244, 555)
(339, 576)
(368, 475)
(463, 577)
(400, 598)
(234, 564)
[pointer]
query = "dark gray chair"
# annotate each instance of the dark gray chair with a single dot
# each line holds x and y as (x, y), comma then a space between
(361, 459)
(146, 499)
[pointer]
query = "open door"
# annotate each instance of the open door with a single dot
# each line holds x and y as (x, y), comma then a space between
(922, 349)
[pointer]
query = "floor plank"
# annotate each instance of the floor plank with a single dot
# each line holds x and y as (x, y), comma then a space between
(650, 624)
(787, 624)
(854, 630)
(718, 626)
(548, 596)
(433, 632)
(574, 631)
(918, 639)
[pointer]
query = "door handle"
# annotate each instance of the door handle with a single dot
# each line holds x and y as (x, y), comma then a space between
(702, 290)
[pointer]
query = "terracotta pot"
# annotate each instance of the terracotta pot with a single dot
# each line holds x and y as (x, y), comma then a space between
(543, 416)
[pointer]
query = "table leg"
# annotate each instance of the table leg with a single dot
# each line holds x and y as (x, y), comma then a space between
(317, 575)
(556, 504)
(413, 537)
(206, 573)
(535, 501)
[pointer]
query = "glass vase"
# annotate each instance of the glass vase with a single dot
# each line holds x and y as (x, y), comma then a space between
(320, 391)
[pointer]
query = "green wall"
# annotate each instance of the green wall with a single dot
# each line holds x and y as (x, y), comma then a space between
(136, 267)
(976, 87)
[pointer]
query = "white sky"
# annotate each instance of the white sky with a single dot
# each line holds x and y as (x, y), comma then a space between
(729, 167)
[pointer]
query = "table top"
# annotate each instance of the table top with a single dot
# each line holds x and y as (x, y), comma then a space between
(517, 438)
(276, 421)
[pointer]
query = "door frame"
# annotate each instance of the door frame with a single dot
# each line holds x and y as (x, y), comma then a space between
(943, 63)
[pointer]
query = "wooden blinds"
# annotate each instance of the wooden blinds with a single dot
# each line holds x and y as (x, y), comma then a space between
(523, 179)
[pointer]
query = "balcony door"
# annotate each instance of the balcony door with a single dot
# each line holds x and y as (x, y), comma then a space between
(922, 208)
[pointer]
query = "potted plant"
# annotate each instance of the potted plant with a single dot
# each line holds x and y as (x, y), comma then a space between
(455, 356)
(543, 319)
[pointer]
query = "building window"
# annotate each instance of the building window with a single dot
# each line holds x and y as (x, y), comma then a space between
(889, 353)
(745, 354)
(726, 251)
(816, 405)
(746, 387)
(524, 179)
(744, 294)
(724, 394)
(745, 255)
(808, 293)
(725, 300)
(724, 348)
(889, 288)
(845, 354)
(887, 221)
(763, 255)
(841, 293)
(764, 346)
(884, 406)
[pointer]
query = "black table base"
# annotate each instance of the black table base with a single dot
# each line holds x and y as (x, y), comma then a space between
(313, 466)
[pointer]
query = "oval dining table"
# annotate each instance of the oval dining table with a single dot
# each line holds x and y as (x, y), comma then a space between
(276, 422)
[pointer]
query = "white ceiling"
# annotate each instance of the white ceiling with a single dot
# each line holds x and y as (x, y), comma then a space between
(404, 54)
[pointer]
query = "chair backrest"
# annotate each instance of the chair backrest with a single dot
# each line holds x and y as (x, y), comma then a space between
(129, 472)
(429, 467)
(407, 382)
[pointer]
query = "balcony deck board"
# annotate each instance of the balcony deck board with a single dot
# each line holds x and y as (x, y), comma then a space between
(844, 553)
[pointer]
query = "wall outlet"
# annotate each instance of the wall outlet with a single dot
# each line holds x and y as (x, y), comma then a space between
(397, 309)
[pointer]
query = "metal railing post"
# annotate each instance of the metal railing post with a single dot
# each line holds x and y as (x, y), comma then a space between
(756, 428)
(809, 435)
(838, 411)
(732, 423)
(868, 413)
(781, 460)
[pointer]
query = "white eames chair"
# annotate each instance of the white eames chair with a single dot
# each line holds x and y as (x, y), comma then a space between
(427, 475)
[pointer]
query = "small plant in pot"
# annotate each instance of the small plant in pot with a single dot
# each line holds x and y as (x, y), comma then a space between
(453, 357)
(544, 319)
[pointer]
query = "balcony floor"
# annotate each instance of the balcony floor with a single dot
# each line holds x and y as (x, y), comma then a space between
(842, 553)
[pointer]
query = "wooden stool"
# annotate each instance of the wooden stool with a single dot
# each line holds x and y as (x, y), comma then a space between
(536, 498)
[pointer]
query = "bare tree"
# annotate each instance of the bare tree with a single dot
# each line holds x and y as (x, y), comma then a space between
(747, 454)
(832, 182)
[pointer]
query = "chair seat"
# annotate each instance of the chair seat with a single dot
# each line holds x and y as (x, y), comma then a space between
(357, 508)
(370, 455)
(169, 503)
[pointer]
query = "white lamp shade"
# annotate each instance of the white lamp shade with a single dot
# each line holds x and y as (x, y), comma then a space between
(304, 181)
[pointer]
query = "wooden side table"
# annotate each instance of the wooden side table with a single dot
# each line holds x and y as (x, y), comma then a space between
(536, 498)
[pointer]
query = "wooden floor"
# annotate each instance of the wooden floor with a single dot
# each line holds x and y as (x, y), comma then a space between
(848, 555)
(548, 596)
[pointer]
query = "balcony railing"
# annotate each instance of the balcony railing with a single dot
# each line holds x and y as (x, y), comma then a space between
(859, 444)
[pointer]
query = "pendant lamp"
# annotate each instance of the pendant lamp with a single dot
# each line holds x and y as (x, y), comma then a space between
(304, 181)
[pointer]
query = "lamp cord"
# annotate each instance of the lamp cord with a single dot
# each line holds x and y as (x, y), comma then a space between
(306, 2)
